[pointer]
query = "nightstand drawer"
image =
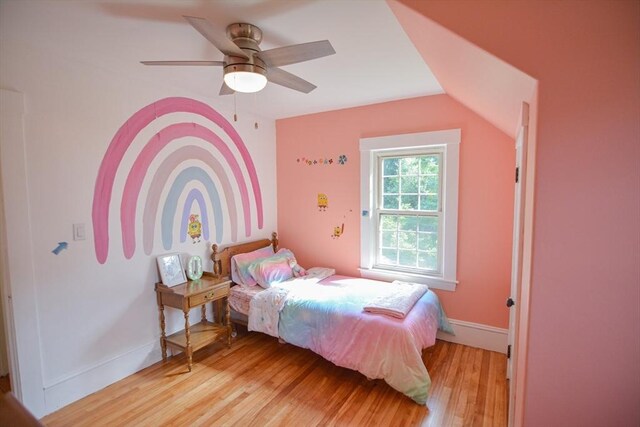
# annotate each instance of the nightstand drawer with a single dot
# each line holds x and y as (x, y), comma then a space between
(211, 295)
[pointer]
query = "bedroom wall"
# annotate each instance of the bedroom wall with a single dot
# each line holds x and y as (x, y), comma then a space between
(95, 313)
(487, 159)
(583, 359)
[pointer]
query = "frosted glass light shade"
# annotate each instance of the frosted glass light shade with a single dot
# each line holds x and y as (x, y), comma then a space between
(244, 81)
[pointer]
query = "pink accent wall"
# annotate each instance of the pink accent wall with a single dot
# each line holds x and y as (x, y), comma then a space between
(487, 159)
(583, 359)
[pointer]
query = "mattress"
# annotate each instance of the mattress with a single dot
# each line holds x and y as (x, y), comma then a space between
(240, 297)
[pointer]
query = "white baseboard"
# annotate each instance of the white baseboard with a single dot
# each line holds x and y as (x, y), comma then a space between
(477, 335)
(79, 385)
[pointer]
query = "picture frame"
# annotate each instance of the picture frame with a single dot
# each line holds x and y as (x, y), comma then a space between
(171, 269)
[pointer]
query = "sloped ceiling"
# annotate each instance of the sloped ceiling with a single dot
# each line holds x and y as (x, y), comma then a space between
(489, 86)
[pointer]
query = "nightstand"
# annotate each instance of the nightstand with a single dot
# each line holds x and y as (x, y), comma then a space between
(195, 293)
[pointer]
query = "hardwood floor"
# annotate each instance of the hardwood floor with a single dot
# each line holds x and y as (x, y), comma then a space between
(5, 384)
(260, 382)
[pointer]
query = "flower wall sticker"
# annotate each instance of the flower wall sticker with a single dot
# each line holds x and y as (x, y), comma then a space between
(326, 161)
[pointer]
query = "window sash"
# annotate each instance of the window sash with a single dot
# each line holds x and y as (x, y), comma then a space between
(379, 211)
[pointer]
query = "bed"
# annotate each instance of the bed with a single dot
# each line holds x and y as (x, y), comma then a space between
(324, 312)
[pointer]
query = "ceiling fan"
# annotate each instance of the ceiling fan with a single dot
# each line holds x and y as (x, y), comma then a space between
(247, 68)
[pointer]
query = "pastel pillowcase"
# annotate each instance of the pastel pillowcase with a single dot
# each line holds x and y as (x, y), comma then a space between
(271, 271)
(240, 265)
(275, 269)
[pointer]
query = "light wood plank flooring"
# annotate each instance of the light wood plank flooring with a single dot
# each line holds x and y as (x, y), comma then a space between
(261, 382)
(5, 384)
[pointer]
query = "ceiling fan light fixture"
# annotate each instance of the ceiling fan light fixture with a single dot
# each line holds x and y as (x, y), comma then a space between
(245, 81)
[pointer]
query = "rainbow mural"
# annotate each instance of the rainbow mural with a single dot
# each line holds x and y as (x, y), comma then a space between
(162, 141)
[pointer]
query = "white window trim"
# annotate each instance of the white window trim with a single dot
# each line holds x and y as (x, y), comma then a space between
(369, 149)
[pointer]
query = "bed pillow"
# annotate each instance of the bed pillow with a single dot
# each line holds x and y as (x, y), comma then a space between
(297, 269)
(240, 264)
(272, 270)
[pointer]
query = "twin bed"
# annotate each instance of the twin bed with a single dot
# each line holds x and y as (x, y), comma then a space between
(325, 313)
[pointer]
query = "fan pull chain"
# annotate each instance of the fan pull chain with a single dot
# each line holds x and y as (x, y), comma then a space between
(255, 108)
(235, 116)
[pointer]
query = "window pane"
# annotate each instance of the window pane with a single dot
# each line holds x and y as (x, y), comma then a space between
(428, 260)
(388, 222)
(407, 240)
(390, 202)
(407, 223)
(409, 166)
(428, 202)
(428, 241)
(389, 256)
(429, 184)
(390, 166)
(429, 164)
(428, 223)
(391, 185)
(409, 184)
(389, 239)
(408, 258)
(409, 202)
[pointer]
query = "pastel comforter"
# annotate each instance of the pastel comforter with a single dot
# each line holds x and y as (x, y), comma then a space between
(327, 317)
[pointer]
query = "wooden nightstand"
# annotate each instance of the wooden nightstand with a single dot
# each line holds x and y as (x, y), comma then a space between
(189, 295)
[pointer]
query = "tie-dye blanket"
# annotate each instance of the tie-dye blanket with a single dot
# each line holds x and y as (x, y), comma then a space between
(265, 306)
(327, 317)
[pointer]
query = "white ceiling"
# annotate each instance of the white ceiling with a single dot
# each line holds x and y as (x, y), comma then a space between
(374, 62)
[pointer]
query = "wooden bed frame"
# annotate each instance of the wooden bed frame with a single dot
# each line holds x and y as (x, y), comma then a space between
(222, 265)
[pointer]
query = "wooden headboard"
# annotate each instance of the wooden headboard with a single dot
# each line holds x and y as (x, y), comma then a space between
(222, 257)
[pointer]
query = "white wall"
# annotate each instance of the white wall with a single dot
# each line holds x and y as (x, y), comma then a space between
(98, 323)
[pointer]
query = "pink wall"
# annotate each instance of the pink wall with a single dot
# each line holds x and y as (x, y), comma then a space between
(485, 200)
(584, 340)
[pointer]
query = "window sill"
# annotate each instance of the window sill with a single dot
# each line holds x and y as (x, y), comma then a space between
(389, 276)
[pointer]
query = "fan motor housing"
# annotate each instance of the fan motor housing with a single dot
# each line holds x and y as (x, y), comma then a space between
(246, 37)
(252, 65)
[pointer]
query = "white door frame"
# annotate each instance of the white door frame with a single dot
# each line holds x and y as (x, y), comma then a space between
(16, 259)
(517, 254)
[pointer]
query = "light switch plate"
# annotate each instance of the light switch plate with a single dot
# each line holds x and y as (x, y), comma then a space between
(79, 232)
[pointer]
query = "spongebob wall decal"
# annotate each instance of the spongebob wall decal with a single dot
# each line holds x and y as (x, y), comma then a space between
(323, 202)
(194, 229)
(338, 230)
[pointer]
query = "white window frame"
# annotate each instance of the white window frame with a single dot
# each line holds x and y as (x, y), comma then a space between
(370, 150)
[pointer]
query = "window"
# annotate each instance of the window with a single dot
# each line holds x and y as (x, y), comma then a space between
(409, 207)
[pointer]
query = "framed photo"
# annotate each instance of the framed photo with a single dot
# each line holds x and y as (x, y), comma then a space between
(171, 271)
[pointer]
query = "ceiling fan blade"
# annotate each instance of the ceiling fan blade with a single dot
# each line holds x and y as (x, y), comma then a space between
(206, 63)
(293, 54)
(217, 38)
(225, 90)
(286, 79)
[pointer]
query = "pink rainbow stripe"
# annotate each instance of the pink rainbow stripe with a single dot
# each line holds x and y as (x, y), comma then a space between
(123, 139)
(141, 167)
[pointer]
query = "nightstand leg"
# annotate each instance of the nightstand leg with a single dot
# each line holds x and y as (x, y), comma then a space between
(163, 336)
(228, 316)
(203, 310)
(187, 334)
